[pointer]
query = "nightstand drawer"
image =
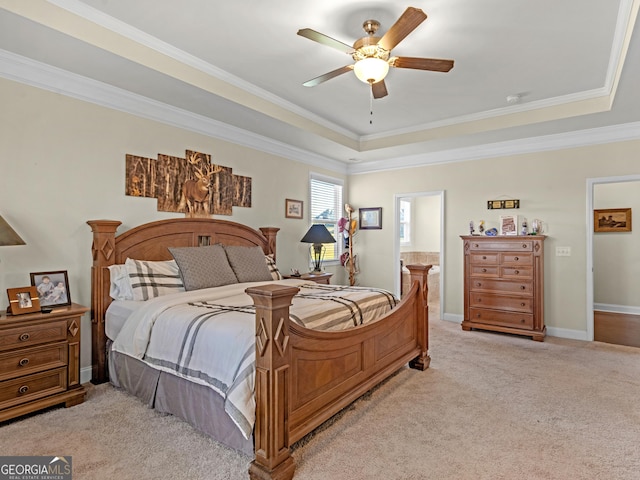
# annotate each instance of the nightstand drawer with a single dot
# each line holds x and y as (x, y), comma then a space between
(32, 360)
(55, 331)
(32, 387)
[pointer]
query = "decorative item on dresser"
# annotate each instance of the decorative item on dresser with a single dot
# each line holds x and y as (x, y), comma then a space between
(504, 284)
(40, 360)
(8, 235)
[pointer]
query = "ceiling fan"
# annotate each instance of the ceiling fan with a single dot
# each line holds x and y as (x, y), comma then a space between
(372, 55)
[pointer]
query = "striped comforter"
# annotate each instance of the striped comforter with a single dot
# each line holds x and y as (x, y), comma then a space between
(207, 336)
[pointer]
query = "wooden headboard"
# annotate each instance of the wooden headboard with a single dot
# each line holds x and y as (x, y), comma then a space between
(151, 241)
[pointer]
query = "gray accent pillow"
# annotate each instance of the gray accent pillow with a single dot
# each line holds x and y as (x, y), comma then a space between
(203, 267)
(248, 263)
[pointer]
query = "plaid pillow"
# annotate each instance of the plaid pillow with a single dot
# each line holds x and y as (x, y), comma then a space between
(153, 279)
(273, 268)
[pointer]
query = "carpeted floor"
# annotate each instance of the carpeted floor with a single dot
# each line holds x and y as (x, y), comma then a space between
(491, 406)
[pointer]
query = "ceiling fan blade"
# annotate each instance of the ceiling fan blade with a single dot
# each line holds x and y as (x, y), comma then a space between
(433, 64)
(379, 89)
(408, 21)
(328, 76)
(325, 40)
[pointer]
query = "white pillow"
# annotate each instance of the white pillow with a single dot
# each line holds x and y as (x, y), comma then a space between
(120, 285)
(153, 279)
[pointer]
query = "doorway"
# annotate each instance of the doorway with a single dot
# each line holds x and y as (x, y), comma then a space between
(419, 236)
(610, 312)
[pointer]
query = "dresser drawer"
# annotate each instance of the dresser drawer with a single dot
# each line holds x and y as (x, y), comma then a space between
(28, 335)
(516, 272)
(505, 319)
(523, 245)
(31, 360)
(32, 387)
(516, 259)
(501, 302)
(502, 286)
(486, 271)
(484, 258)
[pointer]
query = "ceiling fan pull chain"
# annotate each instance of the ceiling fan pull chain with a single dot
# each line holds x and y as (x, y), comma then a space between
(371, 106)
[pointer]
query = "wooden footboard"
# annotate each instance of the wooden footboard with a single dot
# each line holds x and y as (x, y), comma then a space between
(303, 376)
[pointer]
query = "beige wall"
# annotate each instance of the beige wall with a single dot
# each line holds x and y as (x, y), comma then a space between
(62, 163)
(425, 224)
(551, 186)
(616, 256)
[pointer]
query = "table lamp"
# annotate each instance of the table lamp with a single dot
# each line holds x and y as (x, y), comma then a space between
(317, 235)
(8, 235)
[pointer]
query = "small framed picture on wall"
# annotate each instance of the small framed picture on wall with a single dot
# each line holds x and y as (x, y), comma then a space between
(293, 208)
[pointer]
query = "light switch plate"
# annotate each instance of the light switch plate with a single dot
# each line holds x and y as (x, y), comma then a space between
(563, 251)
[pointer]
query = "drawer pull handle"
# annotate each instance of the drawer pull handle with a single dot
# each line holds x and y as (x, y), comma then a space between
(522, 287)
(522, 304)
(478, 284)
(524, 245)
(517, 272)
(24, 337)
(484, 270)
(484, 257)
(516, 258)
(23, 389)
(522, 320)
(24, 362)
(479, 315)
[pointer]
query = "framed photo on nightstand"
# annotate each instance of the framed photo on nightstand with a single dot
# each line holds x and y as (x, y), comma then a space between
(23, 300)
(52, 288)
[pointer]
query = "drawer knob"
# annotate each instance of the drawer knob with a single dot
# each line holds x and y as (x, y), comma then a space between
(517, 272)
(479, 315)
(484, 257)
(522, 304)
(23, 362)
(23, 389)
(522, 320)
(516, 258)
(476, 245)
(522, 287)
(484, 270)
(24, 337)
(524, 245)
(478, 284)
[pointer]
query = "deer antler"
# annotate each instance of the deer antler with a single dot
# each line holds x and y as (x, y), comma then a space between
(211, 168)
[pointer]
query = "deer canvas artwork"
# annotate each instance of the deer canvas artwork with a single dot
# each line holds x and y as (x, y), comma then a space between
(193, 185)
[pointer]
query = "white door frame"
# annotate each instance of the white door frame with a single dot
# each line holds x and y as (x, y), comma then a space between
(591, 182)
(396, 240)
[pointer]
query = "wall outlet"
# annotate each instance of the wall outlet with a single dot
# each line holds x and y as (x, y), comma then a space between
(563, 251)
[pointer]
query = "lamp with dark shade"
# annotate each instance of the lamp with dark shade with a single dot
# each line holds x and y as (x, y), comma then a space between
(317, 235)
(8, 235)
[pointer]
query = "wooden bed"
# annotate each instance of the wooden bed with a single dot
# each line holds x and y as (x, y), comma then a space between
(303, 377)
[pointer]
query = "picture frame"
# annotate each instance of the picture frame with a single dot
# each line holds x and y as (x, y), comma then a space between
(293, 208)
(52, 288)
(23, 300)
(612, 220)
(370, 218)
(509, 225)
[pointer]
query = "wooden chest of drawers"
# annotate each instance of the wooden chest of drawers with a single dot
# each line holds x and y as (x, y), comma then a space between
(40, 361)
(504, 284)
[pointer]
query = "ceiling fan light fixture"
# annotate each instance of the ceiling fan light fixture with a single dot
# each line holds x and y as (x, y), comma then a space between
(371, 69)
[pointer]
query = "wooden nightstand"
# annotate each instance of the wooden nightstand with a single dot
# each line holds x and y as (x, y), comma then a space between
(323, 277)
(40, 360)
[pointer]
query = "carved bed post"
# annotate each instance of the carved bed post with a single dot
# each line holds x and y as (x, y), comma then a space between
(270, 234)
(273, 383)
(420, 273)
(103, 250)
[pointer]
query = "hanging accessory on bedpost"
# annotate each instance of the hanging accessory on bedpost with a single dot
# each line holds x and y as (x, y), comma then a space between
(273, 383)
(420, 274)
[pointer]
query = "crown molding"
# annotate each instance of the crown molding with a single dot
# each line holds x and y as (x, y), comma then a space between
(556, 141)
(36, 74)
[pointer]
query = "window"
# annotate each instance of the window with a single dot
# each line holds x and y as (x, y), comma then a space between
(326, 209)
(405, 222)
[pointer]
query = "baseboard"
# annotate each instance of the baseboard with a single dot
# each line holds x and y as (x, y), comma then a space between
(567, 333)
(607, 307)
(85, 374)
(453, 317)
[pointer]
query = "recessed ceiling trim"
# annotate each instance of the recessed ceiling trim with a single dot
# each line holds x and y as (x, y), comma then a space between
(556, 141)
(36, 74)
